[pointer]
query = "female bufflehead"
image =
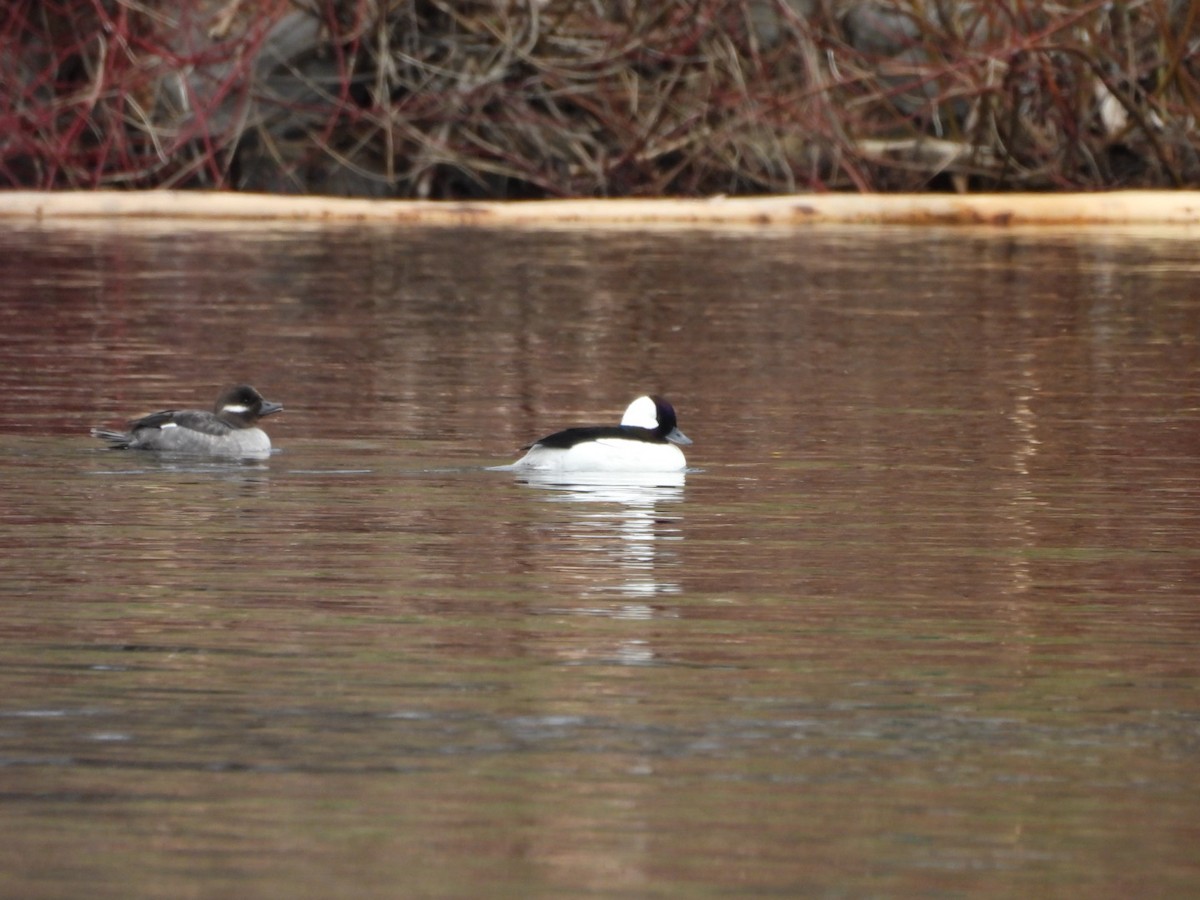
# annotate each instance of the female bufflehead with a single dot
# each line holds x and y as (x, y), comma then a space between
(645, 441)
(228, 430)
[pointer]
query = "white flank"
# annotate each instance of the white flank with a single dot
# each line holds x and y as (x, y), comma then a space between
(605, 455)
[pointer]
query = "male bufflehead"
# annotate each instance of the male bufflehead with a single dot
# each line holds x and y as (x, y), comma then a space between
(229, 430)
(645, 441)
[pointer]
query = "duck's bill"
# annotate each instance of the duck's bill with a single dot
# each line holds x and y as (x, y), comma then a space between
(678, 437)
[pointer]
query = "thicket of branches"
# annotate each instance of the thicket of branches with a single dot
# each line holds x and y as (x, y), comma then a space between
(521, 98)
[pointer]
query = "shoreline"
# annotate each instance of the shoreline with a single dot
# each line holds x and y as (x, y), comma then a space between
(1173, 208)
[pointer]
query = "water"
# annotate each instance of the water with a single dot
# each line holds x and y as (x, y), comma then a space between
(921, 620)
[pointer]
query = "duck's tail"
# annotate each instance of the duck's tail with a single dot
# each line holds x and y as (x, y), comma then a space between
(118, 440)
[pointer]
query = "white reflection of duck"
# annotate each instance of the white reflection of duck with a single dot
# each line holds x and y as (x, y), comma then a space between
(620, 524)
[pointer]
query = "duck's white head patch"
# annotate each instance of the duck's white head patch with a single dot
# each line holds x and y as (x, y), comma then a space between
(641, 413)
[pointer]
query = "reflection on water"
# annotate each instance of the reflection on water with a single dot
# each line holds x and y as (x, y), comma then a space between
(923, 624)
(133, 463)
(618, 540)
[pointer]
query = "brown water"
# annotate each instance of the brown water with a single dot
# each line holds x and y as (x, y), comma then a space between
(922, 620)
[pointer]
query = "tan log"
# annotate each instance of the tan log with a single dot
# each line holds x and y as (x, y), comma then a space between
(1002, 210)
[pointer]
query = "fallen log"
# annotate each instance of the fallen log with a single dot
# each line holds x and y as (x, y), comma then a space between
(996, 210)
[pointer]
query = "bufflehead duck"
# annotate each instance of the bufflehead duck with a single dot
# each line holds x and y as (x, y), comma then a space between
(229, 430)
(645, 441)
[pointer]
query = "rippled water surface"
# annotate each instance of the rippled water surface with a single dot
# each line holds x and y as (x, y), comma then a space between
(922, 619)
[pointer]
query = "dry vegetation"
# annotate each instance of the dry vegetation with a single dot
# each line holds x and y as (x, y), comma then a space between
(599, 98)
